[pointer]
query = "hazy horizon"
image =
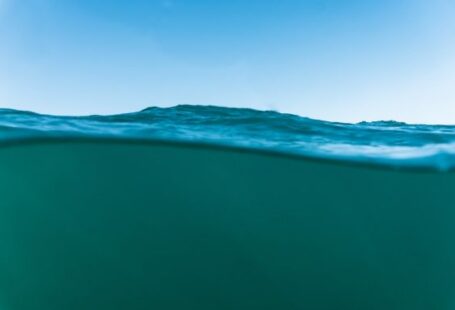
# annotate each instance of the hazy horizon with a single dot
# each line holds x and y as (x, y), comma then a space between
(346, 61)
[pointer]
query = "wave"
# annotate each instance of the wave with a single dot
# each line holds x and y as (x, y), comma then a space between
(383, 143)
(201, 207)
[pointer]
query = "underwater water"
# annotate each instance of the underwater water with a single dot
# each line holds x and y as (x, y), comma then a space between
(197, 207)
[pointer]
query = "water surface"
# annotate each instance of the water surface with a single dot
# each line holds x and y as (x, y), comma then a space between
(215, 208)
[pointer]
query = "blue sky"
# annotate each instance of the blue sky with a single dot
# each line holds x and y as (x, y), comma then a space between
(345, 60)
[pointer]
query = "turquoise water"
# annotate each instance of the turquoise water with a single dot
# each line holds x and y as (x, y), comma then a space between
(383, 143)
(215, 208)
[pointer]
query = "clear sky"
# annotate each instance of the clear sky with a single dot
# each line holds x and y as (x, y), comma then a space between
(345, 60)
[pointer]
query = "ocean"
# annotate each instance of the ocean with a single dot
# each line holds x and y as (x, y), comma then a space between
(203, 207)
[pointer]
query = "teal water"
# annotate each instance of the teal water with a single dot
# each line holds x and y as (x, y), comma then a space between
(216, 208)
(383, 143)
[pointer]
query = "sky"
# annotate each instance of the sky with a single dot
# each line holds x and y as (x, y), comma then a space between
(338, 60)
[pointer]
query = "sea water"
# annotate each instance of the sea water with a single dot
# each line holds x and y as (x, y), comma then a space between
(197, 207)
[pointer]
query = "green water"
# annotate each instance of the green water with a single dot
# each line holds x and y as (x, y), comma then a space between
(112, 225)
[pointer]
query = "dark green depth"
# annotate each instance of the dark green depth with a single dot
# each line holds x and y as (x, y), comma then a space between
(111, 225)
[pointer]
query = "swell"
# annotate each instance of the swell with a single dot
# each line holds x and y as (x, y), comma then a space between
(385, 143)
